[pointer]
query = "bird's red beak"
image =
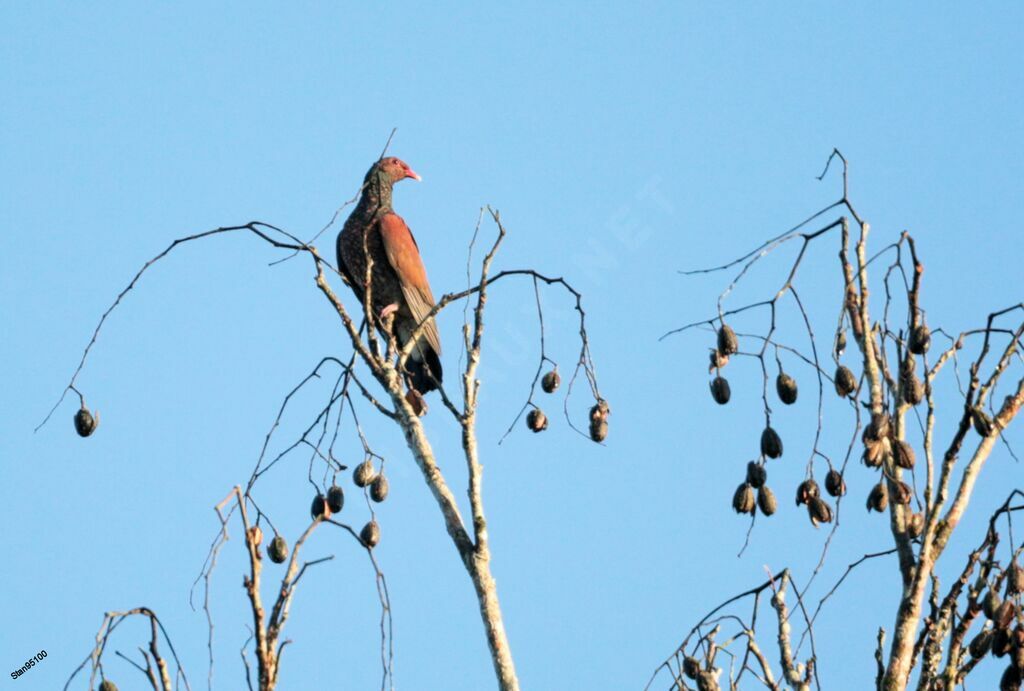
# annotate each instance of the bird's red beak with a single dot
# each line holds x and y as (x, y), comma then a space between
(410, 173)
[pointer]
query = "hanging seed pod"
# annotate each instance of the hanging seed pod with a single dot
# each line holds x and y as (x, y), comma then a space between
(727, 343)
(920, 339)
(904, 454)
(1011, 679)
(835, 485)
(379, 488)
(370, 534)
(981, 644)
(743, 500)
(85, 423)
(840, 343)
(819, 511)
(982, 421)
(915, 525)
(550, 381)
(991, 604)
(278, 550)
(319, 508)
(1014, 579)
(536, 420)
(807, 490)
(364, 473)
(718, 361)
(913, 390)
(1002, 642)
(771, 443)
(785, 386)
(599, 421)
(875, 453)
(106, 684)
(878, 429)
(766, 500)
(335, 499)
(1005, 614)
(901, 493)
(878, 499)
(691, 667)
(720, 390)
(757, 474)
(845, 382)
(1017, 643)
(255, 535)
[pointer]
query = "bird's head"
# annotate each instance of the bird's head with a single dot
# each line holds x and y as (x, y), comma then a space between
(396, 169)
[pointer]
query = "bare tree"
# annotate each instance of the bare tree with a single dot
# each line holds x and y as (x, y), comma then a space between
(380, 389)
(940, 632)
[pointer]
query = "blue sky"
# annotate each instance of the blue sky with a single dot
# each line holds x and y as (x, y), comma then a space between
(620, 144)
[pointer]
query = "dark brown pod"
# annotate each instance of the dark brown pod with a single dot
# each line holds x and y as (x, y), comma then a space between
(743, 500)
(1005, 614)
(915, 525)
(771, 443)
(982, 421)
(599, 421)
(835, 485)
(913, 390)
(807, 490)
(319, 508)
(904, 454)
(727, 343)
(981, 644)
(920, 339)
(720, 390)
(845, 382)
(691, 667)
(819, 511)
(901, 493)
(549, 383)
(1014, 579)
(757, 474)
(370, 534)
(106, 684)
(875, 453)
(785, 386)
(1011, 679)
(278, 550)
(85, 423)
(878, 429)
(364, 473)
(1002, 643)
(335, 499)
(766, 500)
(379, 488)
(878, 499)
(991, 604)
(536, 420)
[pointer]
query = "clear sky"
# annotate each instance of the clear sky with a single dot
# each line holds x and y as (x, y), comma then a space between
(620, 144)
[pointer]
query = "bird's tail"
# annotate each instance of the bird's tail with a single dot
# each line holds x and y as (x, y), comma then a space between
(424, 371)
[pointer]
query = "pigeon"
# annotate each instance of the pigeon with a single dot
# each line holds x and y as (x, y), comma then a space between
(399, 279)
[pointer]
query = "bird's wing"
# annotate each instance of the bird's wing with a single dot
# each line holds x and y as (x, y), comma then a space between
(404, 256)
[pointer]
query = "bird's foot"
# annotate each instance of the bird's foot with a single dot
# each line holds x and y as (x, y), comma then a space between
(389, 310)
(415, 400)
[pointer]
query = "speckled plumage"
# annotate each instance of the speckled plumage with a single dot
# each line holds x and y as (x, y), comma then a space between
(398, 275)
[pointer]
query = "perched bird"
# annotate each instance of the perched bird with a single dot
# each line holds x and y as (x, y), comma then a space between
(399, 280)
